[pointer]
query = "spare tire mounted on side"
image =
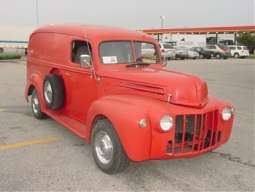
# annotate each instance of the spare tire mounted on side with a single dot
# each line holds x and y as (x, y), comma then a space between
(53, 91)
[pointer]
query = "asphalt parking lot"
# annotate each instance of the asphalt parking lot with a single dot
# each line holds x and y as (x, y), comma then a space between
(43, 155)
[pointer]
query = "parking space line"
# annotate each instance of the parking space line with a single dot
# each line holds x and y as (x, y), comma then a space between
(45, 140)
(2, 109)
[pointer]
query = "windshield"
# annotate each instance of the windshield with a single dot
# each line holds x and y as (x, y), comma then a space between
(122, 52)
(168, 46)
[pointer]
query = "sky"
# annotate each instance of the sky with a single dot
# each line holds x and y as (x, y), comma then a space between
(18, 17)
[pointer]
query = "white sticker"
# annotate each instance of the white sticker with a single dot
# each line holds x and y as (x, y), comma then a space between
(110, 59)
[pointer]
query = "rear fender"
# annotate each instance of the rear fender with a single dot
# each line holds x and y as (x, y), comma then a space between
(124, 116)
(36, 81)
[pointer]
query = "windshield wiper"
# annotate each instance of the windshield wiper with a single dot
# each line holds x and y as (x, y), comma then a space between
(137, 64)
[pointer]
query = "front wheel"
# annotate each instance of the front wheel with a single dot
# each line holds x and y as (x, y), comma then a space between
(107, 150)
(218, 56)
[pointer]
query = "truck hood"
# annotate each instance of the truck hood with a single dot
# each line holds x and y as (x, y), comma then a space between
(173, 87)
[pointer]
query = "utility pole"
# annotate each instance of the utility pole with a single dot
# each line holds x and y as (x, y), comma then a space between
(37, 13)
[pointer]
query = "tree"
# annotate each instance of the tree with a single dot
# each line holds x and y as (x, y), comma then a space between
(247, 39)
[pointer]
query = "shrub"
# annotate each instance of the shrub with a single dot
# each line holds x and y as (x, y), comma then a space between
(5, 56)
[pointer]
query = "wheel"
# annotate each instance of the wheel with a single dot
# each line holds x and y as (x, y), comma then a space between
(218, 56)
(236, 55)
(53, 91)
(107, 150)
(36, 107)
(201, 56)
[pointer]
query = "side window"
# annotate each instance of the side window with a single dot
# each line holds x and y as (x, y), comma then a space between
(211, 47)
(80, 48)
(239, 48)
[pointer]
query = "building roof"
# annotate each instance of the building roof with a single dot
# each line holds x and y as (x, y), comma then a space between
(200, 30)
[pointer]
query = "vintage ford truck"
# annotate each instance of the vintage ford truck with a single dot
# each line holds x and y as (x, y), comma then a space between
(111, 88)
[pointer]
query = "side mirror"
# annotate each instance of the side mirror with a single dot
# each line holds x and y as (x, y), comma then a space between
(85, 61)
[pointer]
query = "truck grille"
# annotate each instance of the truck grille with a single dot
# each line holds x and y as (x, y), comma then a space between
(195, 133)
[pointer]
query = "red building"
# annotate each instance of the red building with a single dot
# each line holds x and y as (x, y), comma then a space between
(206, 30)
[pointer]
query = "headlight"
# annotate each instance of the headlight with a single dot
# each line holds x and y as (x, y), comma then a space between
(227, 113)
(166, 123)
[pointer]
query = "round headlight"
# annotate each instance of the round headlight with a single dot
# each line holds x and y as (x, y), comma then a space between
(227, 113)
(166, 123)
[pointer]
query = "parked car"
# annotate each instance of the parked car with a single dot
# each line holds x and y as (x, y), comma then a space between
(181, 53)
(172, 43)
(203, 53)
(239, 51)
(167, 50)
(219, 51)
(120, 98)
(192, 54)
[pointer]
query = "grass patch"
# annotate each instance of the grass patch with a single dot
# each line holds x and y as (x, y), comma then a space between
(6, 56)
(252, 56)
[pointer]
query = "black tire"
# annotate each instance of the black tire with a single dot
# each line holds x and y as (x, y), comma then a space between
(36, 107)
(119, 160)
(56, 101)
(218, 56)
(236, 55)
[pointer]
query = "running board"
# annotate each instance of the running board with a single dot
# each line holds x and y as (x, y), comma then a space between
(75, 126)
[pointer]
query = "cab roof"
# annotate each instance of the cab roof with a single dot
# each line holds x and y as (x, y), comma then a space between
(93, 31)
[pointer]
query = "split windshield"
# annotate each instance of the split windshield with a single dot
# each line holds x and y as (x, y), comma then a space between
(128, 52)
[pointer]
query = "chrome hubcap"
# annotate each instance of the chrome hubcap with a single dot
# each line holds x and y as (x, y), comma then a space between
(103, 147)
(35, 104)
(48, 92)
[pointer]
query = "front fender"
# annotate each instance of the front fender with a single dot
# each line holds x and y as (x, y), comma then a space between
(124, 114)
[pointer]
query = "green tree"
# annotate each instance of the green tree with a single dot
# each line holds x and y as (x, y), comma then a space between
(247, 39)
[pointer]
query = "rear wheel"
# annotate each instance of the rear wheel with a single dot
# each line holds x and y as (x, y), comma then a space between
(107, 150)
(236, 55)
(36, 107)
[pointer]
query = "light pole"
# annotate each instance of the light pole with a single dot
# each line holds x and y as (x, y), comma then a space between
(162, 20)
(37, 13)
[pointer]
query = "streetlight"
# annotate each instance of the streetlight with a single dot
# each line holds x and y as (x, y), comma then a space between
(37, 12)
(162, 19)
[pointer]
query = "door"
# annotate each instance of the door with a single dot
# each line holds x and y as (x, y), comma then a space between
(80, 83)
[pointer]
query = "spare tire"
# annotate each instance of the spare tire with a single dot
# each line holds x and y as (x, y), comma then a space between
(53, 91)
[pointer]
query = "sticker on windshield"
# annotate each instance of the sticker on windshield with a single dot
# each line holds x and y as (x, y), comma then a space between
(110, 59)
